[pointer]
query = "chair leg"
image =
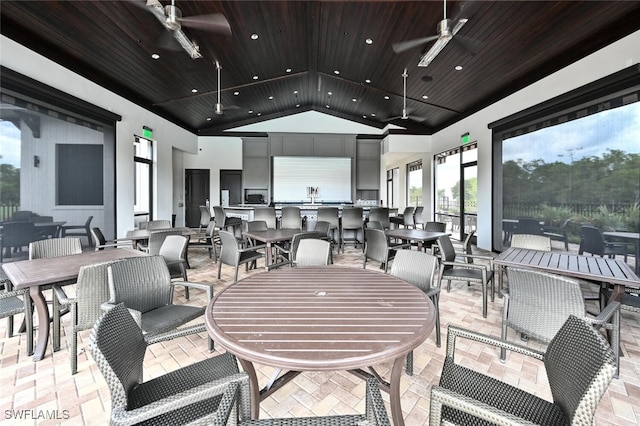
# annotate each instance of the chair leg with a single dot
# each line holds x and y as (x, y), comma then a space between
(436, 300)
(409, 367)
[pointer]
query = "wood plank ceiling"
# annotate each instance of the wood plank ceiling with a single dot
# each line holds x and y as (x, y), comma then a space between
(314, 55)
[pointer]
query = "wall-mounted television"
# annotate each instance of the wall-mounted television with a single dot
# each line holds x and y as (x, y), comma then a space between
(292, 176)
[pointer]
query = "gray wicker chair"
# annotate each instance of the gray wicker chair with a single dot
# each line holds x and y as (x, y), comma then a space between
(92, 290)
(14, 302)
(375, 413)
(418, 269)
(144, 285)
(452, 269)
(291, 218)
(352, 222)
(231, 254)
(579, 365)
(312, 252)
(381, 215)
(532, 242)
(174, 252)
(100, 242)
(179, 397)
(537, 303)
(379, 248)
(79, 230)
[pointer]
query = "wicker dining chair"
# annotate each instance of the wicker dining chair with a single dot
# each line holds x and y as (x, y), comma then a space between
(454, 268)
(156, 238)
(14, 302)
(312, 252)
(92, 290)
(579, 364)
(182, 396)
(537, 303)
(144, 285)
(287, 253)
(531, 241)
(418, 269)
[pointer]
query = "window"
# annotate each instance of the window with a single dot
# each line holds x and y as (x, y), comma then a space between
(414, 183)
(393, 187)
(575, 157)
(143, 179)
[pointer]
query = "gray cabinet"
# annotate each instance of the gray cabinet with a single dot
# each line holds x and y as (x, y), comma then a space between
(367, 164)
(255, 163)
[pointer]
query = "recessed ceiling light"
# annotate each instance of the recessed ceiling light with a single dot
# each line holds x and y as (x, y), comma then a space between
(373, 114)
(270, 98)
(368, 41)
(255, 77)
(236, 93)
(259, 114)
(208, 118)
(425, 97)
(327, 106)
(297, 105)
(364, 116)
(194, 90)
(367, 81)
(295, 92)
(458, 67)
(254, 36)
(386, 97)
(354, 100)
(336, 72)
(155, 56)
(329, 93)
(288, 70)
(250, 111)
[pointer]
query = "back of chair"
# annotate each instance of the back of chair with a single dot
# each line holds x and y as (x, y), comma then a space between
(374, 224)
(329, 214)
(98, 238)
(352, 218)
(257, 225)
(541, 302)
(17, 234)
(528, 226)
(158, 224)
(156, 239)
(381, 215)
(376, 244)
(174, 252)
(141, 283)
(291, 218)
(118, 347)
(92, 290)
(219, 217)
(205, 216)
(580, 365)
(532, 242)
(407, 216)
(418, 214)
(447, 252)
(268, 214)
(592, 240)
(54, 247)
(435, 226)
(322, 227)
(229, 253)
(415, 267)
(312, 252)
(22, 216)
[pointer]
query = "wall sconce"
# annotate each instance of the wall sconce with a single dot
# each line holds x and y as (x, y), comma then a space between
(36, 161)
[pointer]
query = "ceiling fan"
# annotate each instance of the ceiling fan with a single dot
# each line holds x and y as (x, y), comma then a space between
(405, 111)
(218, 109)
(447, 28)
(171, 17)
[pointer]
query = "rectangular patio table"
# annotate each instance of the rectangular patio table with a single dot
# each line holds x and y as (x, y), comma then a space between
(418, 235)
(594, 268)
(269, 237)
(37, 273)
(321, 319)
(143, 234)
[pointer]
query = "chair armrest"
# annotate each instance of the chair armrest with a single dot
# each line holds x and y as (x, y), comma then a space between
(399, 246)
(228, 387)
(454, 332)
(476, 256)
(63, 298)
(466, 265)
(252, 248)
(441, 396)
(13, 293)
(200, 286)
(605, 315)
(174, 333)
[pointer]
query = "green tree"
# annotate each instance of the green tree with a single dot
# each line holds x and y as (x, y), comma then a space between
(9, 185)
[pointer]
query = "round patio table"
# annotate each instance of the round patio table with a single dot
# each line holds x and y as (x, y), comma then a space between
(321, 319)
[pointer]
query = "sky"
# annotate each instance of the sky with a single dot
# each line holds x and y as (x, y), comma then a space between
(617, 128)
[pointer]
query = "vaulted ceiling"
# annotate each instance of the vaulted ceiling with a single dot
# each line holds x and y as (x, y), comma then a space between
(336, 57)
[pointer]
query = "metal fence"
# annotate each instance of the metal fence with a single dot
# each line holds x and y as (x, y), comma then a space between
(7, 210)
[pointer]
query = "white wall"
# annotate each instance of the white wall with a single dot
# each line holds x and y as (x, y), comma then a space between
(166, 134)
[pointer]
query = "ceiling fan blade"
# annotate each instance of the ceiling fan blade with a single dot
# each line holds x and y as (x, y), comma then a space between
(386, 120)
(166, 41)
(215, 22)
(468, 44)
(403, 46)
